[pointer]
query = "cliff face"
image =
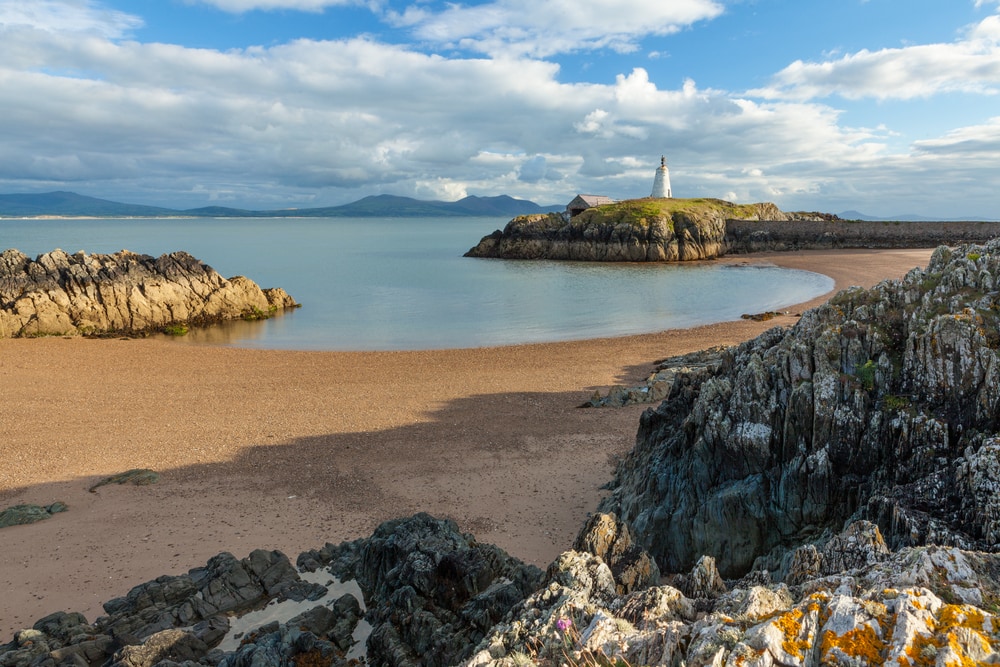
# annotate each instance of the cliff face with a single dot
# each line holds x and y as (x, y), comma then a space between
(882, 405)
(60, 294)
(638, 230)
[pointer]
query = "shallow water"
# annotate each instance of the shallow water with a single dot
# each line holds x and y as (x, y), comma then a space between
(402, 283)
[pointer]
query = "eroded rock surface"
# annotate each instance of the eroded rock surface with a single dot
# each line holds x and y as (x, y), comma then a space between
(62, 294)
(881, 405)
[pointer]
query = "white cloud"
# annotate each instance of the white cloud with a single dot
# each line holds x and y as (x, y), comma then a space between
(329, 121)
(970, 65)
(66, 16)
(526, 27)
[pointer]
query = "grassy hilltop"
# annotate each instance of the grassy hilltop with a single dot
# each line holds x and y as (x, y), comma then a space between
(699, 212)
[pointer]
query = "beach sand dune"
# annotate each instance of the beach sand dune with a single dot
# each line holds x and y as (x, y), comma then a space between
(289, 450)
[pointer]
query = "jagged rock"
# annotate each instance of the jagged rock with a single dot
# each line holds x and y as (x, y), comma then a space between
(62, 294)
(881, 405)
(609, 539)
(666, 381)
(433, 592)
(861, 545)
(703, 581)
(807, 562)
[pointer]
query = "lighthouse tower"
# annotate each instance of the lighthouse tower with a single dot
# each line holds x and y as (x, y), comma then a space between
(661, 183)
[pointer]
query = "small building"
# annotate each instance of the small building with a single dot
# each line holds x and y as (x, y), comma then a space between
(581, 203)
(661, 182)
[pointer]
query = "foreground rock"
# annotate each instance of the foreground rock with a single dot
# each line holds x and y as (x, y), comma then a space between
(437, 597)
(124, 292)
(881, 405)
(636, 230)
(433, 594)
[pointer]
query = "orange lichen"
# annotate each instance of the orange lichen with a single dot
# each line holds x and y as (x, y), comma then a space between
(922, 652)
(861, 642)
(954, 615)
(956, 627)
(790, 625)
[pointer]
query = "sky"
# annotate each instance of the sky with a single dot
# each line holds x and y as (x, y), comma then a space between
(888, 107)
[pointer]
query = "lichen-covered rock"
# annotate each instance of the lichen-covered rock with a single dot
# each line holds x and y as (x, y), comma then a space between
(62, 294)
(881, 405)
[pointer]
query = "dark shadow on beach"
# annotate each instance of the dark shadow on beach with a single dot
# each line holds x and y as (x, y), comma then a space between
(524, 479)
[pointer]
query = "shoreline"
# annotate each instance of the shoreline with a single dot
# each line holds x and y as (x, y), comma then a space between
(288, 450)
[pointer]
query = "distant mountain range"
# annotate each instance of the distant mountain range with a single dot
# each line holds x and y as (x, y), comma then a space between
(70, 204)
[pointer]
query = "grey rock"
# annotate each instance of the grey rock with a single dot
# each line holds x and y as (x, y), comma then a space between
(880, 405)
(609, 539)
(124, 292)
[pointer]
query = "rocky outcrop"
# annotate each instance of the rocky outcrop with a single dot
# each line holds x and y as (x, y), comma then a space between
(919, 606)
(881, 405)
(437, 597)
(433, 594)
(124, 292)
(636, 230)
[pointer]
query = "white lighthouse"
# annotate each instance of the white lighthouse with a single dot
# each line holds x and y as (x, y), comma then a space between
(661, 182)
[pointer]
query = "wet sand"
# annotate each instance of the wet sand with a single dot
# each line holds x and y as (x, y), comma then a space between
(289, 450)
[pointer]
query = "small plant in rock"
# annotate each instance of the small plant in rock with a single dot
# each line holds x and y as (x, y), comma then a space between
(865, 373)
(175, 330)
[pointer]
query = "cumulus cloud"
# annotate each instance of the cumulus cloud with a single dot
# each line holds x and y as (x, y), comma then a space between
(525, 27)
(312, 121)
(66, 16)
(970, 65)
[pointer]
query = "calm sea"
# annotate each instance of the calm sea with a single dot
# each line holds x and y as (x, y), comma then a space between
(402, 283)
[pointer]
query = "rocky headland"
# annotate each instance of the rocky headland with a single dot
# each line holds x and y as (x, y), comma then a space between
(822, 494)
(636, 230)
(667, 230)
(121, 293)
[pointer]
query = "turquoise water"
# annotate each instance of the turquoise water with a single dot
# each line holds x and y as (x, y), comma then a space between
(402, 284)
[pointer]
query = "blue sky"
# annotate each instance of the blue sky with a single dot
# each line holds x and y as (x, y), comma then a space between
(884, 106)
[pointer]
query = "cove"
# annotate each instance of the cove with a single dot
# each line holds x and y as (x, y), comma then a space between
(402, 283)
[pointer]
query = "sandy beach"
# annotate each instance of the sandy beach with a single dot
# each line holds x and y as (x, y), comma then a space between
(290, 450)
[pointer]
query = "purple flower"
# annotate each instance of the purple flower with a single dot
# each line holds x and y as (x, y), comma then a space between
(564, 624)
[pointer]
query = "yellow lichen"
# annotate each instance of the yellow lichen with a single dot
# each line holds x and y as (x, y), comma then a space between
(790, 625)
(861, 642)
